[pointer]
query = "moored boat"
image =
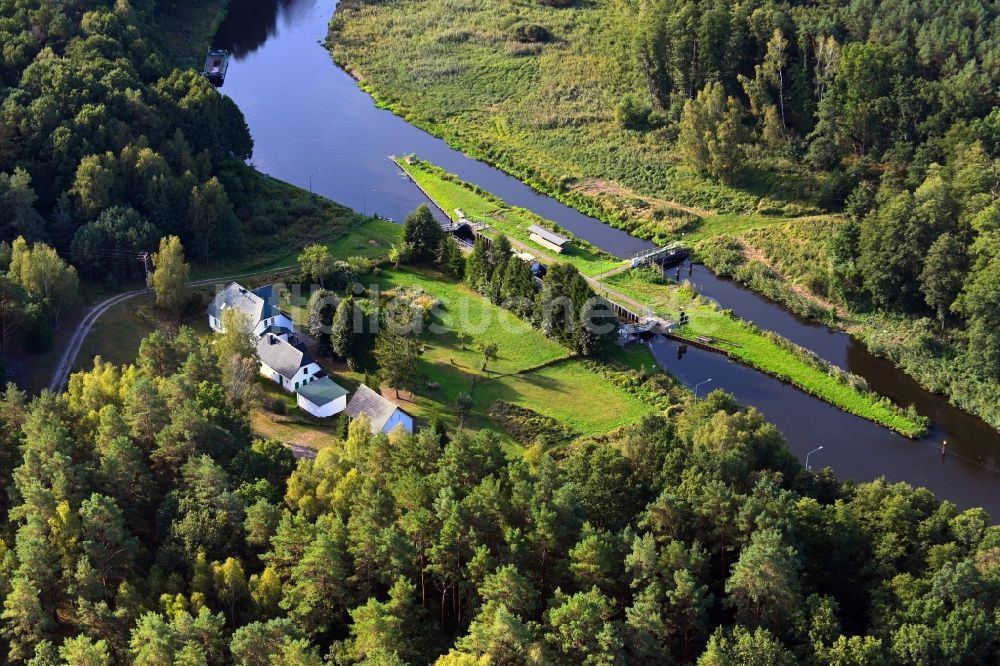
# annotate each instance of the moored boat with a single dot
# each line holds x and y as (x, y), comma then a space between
(216, 65)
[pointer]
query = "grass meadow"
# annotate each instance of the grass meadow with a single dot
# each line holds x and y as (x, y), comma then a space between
(544, 112)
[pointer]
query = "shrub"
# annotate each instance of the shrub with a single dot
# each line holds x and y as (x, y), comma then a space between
(632, 114)
(527, 426)
(277, 406)
(531, 33)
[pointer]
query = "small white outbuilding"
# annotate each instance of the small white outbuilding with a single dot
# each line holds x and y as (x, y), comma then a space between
(322, 397)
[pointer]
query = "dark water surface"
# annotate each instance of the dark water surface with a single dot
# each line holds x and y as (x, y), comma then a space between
(311, 122)
(314, 127)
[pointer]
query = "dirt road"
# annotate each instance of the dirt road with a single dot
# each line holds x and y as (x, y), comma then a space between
(61, 374)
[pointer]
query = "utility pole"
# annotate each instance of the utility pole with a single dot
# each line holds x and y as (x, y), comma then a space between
(144, 258)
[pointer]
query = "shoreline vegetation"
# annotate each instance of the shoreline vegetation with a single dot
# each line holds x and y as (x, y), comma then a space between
(696, 209)
(482, 206)
(762, 350)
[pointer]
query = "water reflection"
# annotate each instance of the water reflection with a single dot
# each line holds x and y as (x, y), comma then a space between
(967, 435)
(853, 447)
(250, 23)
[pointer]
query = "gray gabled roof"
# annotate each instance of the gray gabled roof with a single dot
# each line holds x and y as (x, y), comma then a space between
(370, 402)
(322, 391)
(257, 304)
(282, 357)
(550, 236)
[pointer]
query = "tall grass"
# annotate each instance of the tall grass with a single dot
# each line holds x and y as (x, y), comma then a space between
(544, 113)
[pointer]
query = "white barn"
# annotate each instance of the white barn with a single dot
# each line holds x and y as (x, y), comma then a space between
(383, 414)
(322, 397)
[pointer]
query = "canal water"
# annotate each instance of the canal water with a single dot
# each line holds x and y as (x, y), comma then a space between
(314, 127)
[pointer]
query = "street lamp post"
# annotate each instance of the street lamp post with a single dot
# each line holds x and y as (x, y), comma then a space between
(699, 384)
(808, 468)
(311, 178)
(364, 200)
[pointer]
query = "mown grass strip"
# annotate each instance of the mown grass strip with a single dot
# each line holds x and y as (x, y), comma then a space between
(449, 192)
(768, 352)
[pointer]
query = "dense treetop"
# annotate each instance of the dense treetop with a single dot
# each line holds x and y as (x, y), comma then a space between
(93, 119)
(144, 525)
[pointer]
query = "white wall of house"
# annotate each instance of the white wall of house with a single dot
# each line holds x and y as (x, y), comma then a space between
(215, 324)
(278, 320)
(273, 375)
(398, 417)
(324, 411)
(306, 373)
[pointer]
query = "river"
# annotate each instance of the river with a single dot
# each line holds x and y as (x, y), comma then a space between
(313, 126)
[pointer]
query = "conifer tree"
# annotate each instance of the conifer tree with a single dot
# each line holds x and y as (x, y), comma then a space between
(396, 355)
(422, 233)
(450, 259)
(477, 267)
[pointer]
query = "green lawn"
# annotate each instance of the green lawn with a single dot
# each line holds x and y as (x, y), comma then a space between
(365, 237)
(450, 193)
(532, 371)
(463, 310)
(746, 343)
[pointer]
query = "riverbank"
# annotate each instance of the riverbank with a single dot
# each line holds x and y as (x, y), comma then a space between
(762, 350)
(932, 359)
(766, 351)
(527, 123)
(450, 192)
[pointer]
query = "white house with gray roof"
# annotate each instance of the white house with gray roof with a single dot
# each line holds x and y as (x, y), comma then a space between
(283, 357)
(287, 363)
(383, 414)
(260, 305)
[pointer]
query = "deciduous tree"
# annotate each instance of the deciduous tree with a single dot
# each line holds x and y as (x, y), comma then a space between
(172, 275)
(943, 273)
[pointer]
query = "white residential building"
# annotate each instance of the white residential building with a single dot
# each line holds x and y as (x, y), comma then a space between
(260, 305)
(287, 363)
